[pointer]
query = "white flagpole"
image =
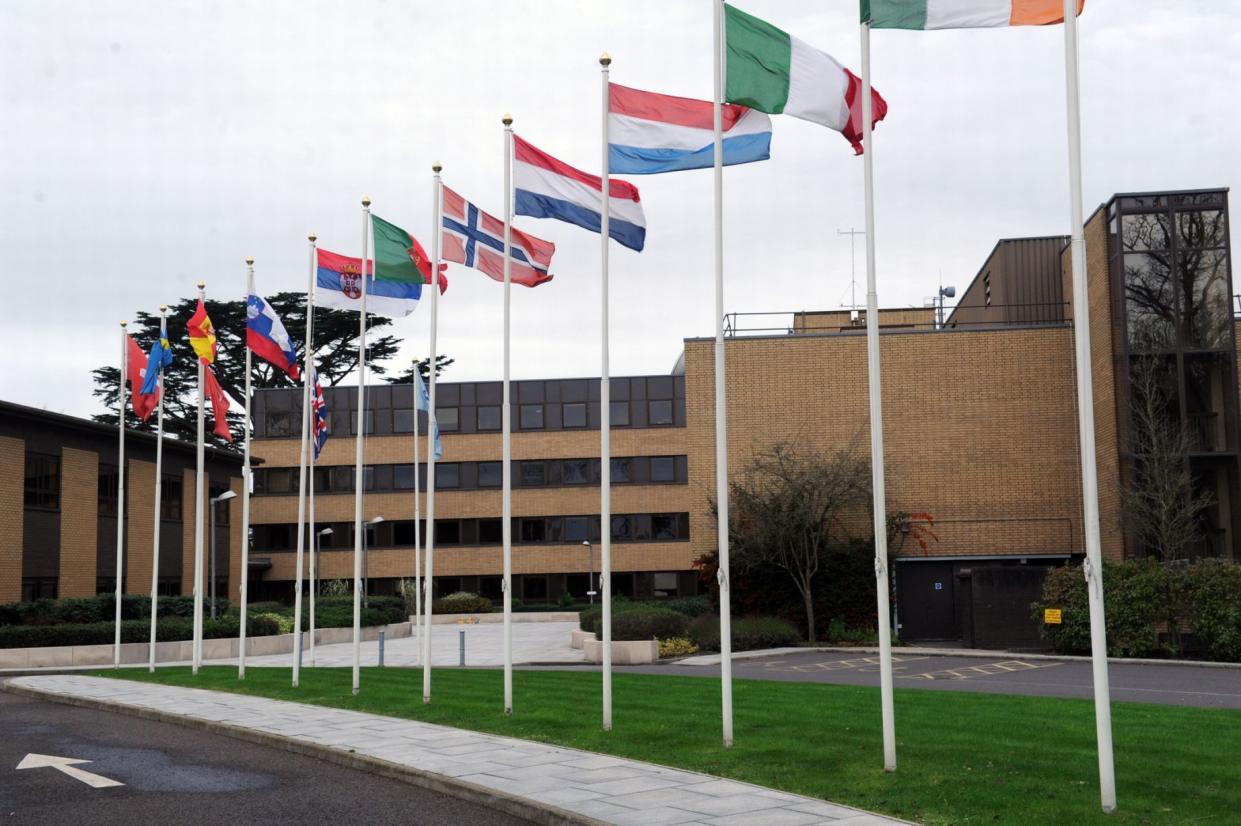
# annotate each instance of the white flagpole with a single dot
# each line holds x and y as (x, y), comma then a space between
(605, 416)
(437, 191)
(417, 628)
(307, 368)
(308, 365)
(721, 409)
(359, 471)
(159, 463)
(200, 491)
(876, 424)
(120, 490)
(1093, 566)
(246, 472)
(507, 424)
(314, 550)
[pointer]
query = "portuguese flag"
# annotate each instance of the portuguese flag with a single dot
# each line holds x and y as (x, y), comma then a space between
(772, 71)
(962, 14)
(399, 256)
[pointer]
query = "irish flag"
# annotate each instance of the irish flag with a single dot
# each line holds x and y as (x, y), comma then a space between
(962, 14)
(772, 71)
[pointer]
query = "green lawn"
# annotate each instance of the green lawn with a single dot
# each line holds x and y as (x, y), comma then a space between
(964, 758)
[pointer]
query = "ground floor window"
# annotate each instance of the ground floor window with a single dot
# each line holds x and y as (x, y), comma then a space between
(39, 587)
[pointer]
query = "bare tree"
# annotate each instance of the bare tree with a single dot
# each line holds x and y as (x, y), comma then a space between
(1160, 503)
(787, 508)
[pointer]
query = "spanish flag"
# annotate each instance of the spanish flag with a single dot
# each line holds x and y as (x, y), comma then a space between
(202, 334)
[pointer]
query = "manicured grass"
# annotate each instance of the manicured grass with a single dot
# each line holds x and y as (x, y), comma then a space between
(964, 758)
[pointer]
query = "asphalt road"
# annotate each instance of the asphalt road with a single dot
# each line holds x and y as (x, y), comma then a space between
(179, 775)
(1178, 685)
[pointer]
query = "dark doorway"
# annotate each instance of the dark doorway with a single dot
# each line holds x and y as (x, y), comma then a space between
(924, 594)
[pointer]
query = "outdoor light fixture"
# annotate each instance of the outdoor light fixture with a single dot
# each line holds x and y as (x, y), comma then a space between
(366, 558)
(215, 500)
(944, 292)
(590, 582)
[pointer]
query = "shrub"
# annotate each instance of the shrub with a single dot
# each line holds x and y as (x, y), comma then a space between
(1214, 597)
(747, 634)
(648, 623)
(335, 587)
(267, 608)
(270, 623)
(566, 599)
(689, 606)
(103, 633)
(1138, 599)
(677, 647)
(461, 603)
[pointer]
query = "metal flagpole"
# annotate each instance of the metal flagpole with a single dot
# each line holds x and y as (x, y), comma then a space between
(200, 491)
(1093, 566)
(246, 474)
(428, 582)
(159, 463)
(314, 551)
(307, 368)
(605, 416)
(876, 424)
(506, 525)
(120, 490)
(359, 471)
(417, 627)
(721, 409)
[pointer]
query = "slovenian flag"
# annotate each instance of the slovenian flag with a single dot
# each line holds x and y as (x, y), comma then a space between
(650, 133)
(549, 188)
(338, 284)
(266, 336)
(962, 14)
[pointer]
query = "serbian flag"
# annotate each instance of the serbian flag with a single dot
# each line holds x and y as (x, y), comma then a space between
(202, 334)
(649, 133)
(548, 188)
(338, 284)
(144, 403)
(475, 239)
(219, 405)
(266, 336)
(399, 256)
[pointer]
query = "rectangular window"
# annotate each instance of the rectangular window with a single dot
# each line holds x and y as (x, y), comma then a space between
(531, 416)
(42, 481)
(170, 499)
(663, 469)
(447, 532)
(403, 532)
(574, 415)
(622, 471)
(663, 526)
(575, 471)
(490, 532)
(403, 476)
(448, 419)
(576, 528)
(489, 474)
(534, 530)
(533, 474)
(403, 421)
(353, 422)
(619, 411)
(340, 479)
(447, 475)
(279, 480)
(108, 479)
(534, 587)
(279, 424)
(659, 412)
(489, 418)
(665, 583)
(622, 528)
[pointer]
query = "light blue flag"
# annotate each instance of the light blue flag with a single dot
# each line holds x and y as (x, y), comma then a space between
(424, 404)
(160, 357)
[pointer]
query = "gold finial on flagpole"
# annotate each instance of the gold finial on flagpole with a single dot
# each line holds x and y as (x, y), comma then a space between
(605, 59)
(312, 237)
(202, 284)
(163, 308)
(366, 200)
(249, 260)
(124, 324)
(507, 120)
(436, 167)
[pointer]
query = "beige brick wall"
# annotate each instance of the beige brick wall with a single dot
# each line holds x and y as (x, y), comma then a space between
(140, 525)
(79, 522)
(12, 516)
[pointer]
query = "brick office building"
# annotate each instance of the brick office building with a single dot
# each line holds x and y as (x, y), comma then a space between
(980, 430)
(58, 509)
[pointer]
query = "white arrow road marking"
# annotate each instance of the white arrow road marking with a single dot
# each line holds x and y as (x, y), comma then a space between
(67, 766)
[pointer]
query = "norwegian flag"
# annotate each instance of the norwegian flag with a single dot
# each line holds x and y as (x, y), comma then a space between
(476, 239)
(319, 414)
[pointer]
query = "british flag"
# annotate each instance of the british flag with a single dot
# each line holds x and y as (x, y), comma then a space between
(318, 409)
(476, 239)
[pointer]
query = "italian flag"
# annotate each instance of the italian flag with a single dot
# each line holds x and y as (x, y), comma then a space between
(962, 14)
(771, 71)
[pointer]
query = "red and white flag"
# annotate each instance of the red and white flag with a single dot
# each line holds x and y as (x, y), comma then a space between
(476, 239)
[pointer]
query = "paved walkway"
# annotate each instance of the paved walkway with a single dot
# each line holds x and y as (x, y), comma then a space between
(608, 789)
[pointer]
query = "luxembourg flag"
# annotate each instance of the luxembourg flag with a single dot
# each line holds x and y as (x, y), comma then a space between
(650, 133)
(548, 188)
(266, 336)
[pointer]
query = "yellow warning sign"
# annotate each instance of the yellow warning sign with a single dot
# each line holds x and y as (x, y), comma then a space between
(1051, 616)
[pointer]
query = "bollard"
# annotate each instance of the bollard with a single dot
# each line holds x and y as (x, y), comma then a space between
(381, 648)
(462, 646)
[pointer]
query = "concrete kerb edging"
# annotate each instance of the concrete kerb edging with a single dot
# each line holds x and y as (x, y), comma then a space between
(947, 652)
(533, 811)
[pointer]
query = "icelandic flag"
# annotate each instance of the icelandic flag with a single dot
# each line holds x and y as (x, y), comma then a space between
(423, 403)
(338, 284)
(319, 413)
(650, 133)
(161, 357)
(476, 239)
(548, 188)
(266, 336)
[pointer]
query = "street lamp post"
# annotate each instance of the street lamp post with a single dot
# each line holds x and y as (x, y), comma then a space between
(590, 582)
(366, 559)
(314, 588)
(223, 497)
(316, 541)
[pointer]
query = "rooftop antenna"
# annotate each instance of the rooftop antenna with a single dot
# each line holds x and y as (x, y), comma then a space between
(852, 233)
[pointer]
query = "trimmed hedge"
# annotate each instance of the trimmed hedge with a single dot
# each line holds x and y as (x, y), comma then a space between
(689, 606)
(649, 623)
(462, 603)
(100, 608)
(747, 634)
(171, 629)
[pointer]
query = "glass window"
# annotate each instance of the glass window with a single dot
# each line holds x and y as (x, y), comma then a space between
(663, 526)
(534, 530)
(489, 418)
(447, 532)
(665, 583)
(279, 424)
(1140, 233)
(622, 470)
(353, 421)
(575, 471)
(340, 479)
(108, 479)
(279, 480)
(659, 411)
(663, 469)
(534, 587)
(574, 415)
(489, 474)
(170, 499)
(447, 475)
(622, 528)
(533, 474)
(448, 419)
(1149, 303)
(403, 532)
(531, 416)
(368, 478)
(490, 532)
(1200, 228)
(42, 481)
(403, 476)
(1208, 388)
(403, 421)
(1206, 304)
(576, 528)
(619, 412)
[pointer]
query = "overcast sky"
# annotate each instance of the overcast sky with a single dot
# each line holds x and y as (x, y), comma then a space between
(145, 145)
